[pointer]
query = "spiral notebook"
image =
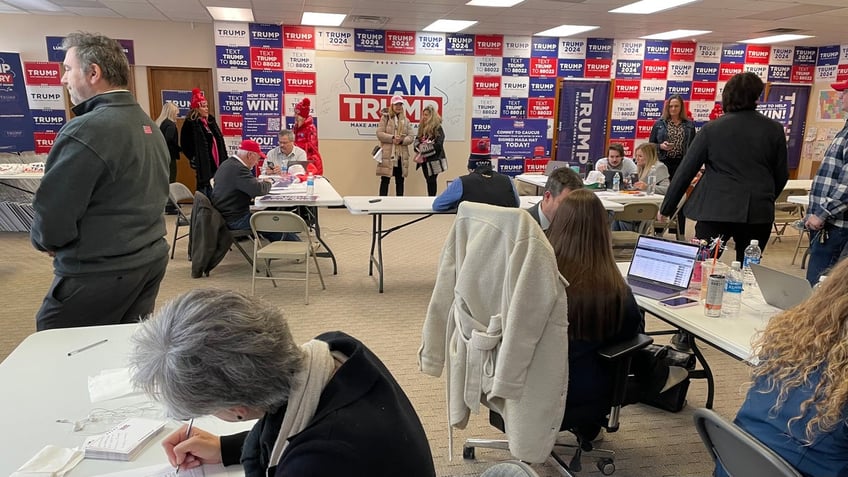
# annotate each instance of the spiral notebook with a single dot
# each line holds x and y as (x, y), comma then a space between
(124, 441)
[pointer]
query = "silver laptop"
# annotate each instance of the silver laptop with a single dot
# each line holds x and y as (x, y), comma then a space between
(661, 268)
(779, 289)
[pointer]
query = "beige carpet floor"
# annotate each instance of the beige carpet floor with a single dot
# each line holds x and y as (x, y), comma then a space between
(650, 442)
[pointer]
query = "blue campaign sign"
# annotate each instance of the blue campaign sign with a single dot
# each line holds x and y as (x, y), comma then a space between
(16, 128)
(804, 55)
(777, 110)
(798, 97)
(55, 53)
(511, 167)
(181, 98)
(582, 122)
(623, 129)
(48, 120)
(514, 107)
(599, 48)
(542, 87)
(517, 137)
(459, 44)
(706, 72)
(828, 56)
(516, 66)
(650, 109)
(367, 40)
(232, 56)
(570, 68)
(628, 69)
(657, 50)
(261, 113)
(267, 81)
(230, 103)
(779, 73)
(733, 53)
(266, 34)
(480, 127)
(544, 47)
(683, 88)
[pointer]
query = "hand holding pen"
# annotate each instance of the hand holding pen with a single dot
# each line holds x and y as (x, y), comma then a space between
(189, 447)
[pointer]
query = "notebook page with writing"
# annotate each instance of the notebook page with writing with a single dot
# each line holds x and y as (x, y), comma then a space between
(124, 441)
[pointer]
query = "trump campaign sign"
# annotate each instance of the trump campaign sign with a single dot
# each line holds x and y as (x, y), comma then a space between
(352, 93)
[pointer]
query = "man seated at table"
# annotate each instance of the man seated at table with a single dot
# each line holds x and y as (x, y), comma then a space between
(560, 183)
(278, 159)
(616, 161)
(482, 185)
(236, 186)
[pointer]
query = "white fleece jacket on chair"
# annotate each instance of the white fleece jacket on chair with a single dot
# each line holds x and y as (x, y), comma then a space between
(498, 321)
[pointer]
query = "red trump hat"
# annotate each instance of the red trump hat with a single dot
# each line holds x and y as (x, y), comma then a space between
(250, 145)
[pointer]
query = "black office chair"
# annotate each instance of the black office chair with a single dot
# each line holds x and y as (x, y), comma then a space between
(739, 452)
(583, 419)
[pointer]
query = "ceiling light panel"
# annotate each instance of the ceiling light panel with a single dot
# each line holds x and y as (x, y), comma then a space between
(646, 7)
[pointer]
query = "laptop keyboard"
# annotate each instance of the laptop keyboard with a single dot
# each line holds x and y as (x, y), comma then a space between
(652, 286)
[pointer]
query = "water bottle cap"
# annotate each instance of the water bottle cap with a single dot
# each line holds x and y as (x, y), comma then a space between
(755, 242)
(735, 264)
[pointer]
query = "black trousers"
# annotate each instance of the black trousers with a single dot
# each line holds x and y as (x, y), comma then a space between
(397, 173)
(431, 182)
(672, 163)
(101, 299)
(742, 234)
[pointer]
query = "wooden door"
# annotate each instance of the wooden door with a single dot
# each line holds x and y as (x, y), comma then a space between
(179, 79)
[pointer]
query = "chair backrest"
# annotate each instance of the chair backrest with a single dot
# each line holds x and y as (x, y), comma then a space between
(738, 452)
(178, 192)
(554, 165)
(789, 192)
(638, 211)
(277, 221)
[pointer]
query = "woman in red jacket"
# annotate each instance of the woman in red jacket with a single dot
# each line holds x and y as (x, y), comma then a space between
(306, 135)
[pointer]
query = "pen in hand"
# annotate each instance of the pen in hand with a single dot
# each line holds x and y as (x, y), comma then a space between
(188, 434)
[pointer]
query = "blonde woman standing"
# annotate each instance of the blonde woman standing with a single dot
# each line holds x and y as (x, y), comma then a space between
(167, 122)
(394, 137)
(430, 146)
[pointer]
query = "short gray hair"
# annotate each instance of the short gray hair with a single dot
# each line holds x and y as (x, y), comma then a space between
(563, 178)
(208, 350)
(288, 133)
(103, 51)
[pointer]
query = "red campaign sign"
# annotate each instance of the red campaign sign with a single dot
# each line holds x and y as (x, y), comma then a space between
(541, 108)
(401, 42)
(535, 166)
(627, 89)
(363, 108)
(44, 141)
(842, 73)
(300, 83)
(42, 73)
(231, 125)
(655, 69)
(704, 91)
(486, 86)
(802, 73)
(727, 70)
(597, 68)
(628, 145)
(488, 45)
(643, 128)
(543, 67)
(299, 37)
(757, 54)
(266, 58)
(682, 51)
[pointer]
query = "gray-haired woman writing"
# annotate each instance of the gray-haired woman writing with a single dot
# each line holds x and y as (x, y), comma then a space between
(329, 407)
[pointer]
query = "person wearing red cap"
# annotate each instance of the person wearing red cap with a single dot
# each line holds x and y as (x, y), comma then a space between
(393, 134)
(827, 213)
(202, 142)
(236, 186)
(306, 135)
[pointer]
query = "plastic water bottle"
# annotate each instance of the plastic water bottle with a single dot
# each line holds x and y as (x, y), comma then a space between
(310, 184)
(732, 300)
(616, 182)
(752, 255)
(652, 181)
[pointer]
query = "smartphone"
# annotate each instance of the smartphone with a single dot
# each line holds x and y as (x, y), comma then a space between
(679, 302)
(270, 164)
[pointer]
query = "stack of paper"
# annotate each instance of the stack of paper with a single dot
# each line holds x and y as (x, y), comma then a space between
(124, 441)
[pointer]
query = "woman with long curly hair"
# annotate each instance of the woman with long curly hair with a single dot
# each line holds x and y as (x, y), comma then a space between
(798, 404)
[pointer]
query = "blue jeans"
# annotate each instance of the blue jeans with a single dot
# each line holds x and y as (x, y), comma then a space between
(825, 255)
(244, 224)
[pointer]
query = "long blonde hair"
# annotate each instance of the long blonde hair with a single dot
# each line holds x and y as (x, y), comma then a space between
(649, 150)
(169, 111)
(808, 338)
(429, 127)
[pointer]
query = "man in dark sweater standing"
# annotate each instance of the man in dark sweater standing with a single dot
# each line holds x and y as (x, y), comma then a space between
(98, 211)
(235, 186)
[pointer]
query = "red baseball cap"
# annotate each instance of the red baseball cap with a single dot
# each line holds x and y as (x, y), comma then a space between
(251, 146)
(840, 86)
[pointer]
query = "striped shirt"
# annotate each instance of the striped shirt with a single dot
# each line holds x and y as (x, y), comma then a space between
(829, 193)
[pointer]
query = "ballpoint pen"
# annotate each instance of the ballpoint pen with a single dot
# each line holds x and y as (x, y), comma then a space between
(188, 434)
(92, 345)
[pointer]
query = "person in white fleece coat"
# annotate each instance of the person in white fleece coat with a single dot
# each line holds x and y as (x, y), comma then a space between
(499, 310)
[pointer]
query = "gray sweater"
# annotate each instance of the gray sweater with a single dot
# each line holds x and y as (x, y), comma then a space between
(235, 187)
(99, 206)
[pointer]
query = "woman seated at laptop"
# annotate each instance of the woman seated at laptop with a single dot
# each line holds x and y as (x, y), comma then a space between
(798, 404)
(327, 407)
(601, 307)
(646, 162)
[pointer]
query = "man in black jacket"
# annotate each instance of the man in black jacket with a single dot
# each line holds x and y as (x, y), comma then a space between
(744, 156)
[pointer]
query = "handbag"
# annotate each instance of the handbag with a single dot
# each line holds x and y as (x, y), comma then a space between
(377, 153)
(419, 158)
(650, 369)
(426, 149)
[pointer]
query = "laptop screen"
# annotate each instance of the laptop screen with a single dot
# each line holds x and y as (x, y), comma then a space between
(663, 261)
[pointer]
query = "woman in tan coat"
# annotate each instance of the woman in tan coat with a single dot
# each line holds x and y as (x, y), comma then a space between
(394, 136)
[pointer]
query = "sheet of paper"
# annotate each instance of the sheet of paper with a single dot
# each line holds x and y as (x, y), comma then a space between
(159, 470)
